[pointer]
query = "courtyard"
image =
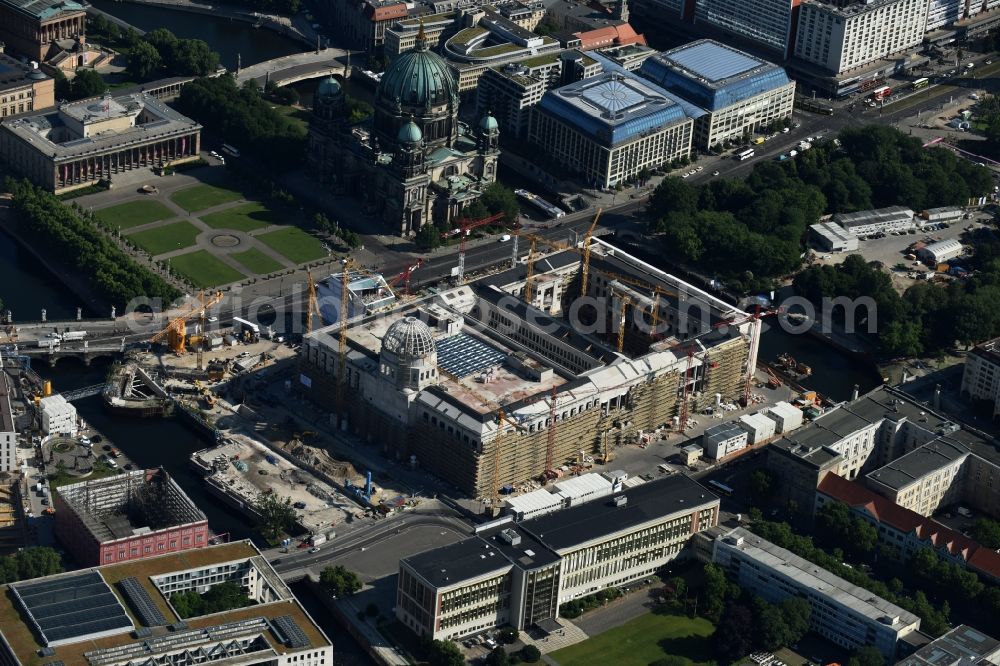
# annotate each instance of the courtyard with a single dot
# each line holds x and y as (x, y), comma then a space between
(211, 234)
(643, 640)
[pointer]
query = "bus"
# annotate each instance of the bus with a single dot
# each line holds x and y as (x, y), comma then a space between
(720, 488)
(881, 93)
(745, 154)
(229, 150)
(921, 83)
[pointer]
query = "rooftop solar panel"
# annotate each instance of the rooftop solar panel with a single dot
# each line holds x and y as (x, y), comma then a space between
(289, 632)
(72, 607)
(141, 603)
(462, 355)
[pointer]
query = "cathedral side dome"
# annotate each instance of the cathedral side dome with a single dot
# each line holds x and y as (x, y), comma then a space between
(328, 87)
(410, 133)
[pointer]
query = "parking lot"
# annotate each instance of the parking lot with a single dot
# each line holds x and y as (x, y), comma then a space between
(891, 249)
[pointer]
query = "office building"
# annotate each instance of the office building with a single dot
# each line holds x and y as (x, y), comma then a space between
(8, 428)
(38, 29)
(879, 220)
(738, 93)
(831, 237)
(122, 614)
(941, 13)
(58, 416)
(130, 516)
(925, 479)
(900, 448)
(843, 613)
(510, 91)
(416, 164)
(363, 23)
(962, 646)
(905, 532)
(84, 142)
(765, 23)
(23, 87)
(723, 440)
(981, 374)
(942, 215)
(608, 128)
(519, 573)
(622, 34)
(841, 37)
(425, 380)
(629, 57)
(941, 251)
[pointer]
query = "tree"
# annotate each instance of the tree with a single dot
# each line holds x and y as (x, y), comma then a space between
(339, 582)
(868, 655)
(497, 657)
(35, 562)
(670, 660)
(530, 654)
(144, 61)
(713, 593)
(217, 599)
(428, 237)
(87, 83)
(797, 613)
(761, 484)
(277, 515)
(498, 198)
(192, 57)
(733, 636)
(985, 531)
(772, 630)
(444, 653)
(508, 634)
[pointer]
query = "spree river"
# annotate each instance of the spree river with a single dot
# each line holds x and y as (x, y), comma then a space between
(227, 36)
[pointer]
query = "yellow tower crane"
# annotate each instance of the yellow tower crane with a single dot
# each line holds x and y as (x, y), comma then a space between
(175, 331)
(342, 317)
(585, 269)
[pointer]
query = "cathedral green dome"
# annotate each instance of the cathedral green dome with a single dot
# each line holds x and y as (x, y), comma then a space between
(418, 78)
(410, 133)
(489, 123)
(328, 87)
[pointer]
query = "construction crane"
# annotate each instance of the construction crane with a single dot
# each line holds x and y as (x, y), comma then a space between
(550, 445)
(625, 301)
(529, 285)
(685, 405)
(585, 268)
(755, 316)
(342, 317)
(404, 277)
(175, 331)
(464, 227)
(313, 306)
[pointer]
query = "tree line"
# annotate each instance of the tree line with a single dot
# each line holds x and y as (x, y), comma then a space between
(751, 231)
(81, 245)
(160, 52)
(245, 119)
(32, 562)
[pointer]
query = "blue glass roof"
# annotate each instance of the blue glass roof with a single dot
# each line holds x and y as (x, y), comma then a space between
(613, 107)
(712, 75)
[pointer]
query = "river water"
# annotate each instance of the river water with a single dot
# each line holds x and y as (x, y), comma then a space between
(227, 36)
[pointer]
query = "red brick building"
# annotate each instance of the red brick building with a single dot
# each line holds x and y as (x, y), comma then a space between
(126, 517)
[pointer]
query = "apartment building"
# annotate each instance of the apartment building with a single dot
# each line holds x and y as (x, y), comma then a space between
(737, 92)
(842, 38)
(519, 573)
(925, 479)
(843, 613)
(766, 23)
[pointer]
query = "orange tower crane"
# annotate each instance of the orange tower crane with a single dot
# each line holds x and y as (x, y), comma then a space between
(175, 331)
(585, 269)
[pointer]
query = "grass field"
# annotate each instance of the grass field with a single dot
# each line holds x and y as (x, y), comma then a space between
(294, 244)
(133, 214)
(242, 218)
(643, 640)
(201, 197)
(257, 262)
(204, 270)
(166, 238)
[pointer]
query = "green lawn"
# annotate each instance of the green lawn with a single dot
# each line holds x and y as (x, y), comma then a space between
(643, 640)
(133, 214)
(257, 262)
(166, 238)
(201, 197)
(204, 270)
(242, 218)
(294, 244)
